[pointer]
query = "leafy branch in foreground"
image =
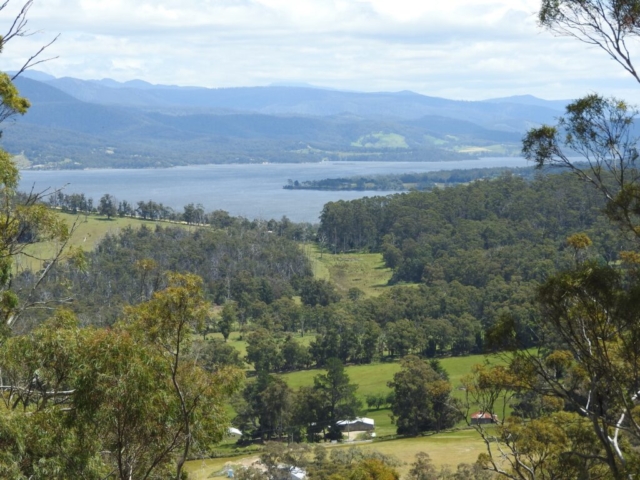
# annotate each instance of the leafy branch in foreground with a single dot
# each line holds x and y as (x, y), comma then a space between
(601, 131)
(607, 24)
(125, 402)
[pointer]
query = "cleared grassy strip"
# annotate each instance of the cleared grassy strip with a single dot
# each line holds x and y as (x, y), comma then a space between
(365, 271)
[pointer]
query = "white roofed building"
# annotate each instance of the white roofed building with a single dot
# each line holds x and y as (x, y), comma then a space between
(358, 424)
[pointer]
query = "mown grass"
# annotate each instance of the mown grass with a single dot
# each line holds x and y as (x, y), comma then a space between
(373, 378)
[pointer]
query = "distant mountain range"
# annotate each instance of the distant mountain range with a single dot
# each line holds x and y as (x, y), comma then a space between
(91, 123)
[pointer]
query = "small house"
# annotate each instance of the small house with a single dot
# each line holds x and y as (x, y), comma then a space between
(359, 424)
(482, 418)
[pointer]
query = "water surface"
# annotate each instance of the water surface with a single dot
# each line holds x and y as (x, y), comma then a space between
(253, 191)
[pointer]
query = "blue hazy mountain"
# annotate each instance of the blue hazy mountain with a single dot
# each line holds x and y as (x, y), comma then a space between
(511, 113)
(93, 123)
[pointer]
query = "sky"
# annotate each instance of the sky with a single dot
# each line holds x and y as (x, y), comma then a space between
(460, 49)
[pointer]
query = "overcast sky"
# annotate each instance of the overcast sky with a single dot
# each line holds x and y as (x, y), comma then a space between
(463, 49)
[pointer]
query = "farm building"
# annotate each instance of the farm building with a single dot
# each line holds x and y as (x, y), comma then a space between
(359, 424)
(481, 418)
(297, 474)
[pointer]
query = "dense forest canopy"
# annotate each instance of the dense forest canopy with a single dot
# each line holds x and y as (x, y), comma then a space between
(242, 263)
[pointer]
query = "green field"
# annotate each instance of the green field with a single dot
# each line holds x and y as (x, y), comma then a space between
(365, 271)
(451, 448)
(373, 379)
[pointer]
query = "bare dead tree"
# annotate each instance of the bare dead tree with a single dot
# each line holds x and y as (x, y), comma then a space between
(18, 28)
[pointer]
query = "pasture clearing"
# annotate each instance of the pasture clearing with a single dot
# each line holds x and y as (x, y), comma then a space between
(365, 271)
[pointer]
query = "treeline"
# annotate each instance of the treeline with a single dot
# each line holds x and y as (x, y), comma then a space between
(482, 216)
(192, 214)
(409, 181)
(428, 322)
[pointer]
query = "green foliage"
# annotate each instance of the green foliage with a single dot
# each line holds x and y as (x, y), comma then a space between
(331, 399)
(378, 400)
(12, 102)
(243, 264)
(422, 399)
(318, 292)
(602, 130)
(216, 353)
(84, 402)
(265, 409)
(373, 469)
(409, 181)
(263, 351)
(228, 319)
(108, 206)
(478, 250)
(345, 464)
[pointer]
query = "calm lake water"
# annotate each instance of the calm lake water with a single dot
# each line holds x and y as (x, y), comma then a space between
(253, 191)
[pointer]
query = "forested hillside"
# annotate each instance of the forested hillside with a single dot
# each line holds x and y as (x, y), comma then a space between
(484, 246)
(477, 252)
(245, 262)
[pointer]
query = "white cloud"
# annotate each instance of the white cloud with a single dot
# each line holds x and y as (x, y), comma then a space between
(467, 49)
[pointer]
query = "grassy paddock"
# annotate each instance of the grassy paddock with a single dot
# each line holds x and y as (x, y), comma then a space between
(365, 271)
(450, 449)
(372, 379)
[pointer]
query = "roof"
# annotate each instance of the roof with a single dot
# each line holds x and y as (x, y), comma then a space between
(298, 473)
(368, 421)
(234, 431)
(486, 415)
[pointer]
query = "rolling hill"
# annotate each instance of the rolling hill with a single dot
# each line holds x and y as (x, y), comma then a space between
(83, 123)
